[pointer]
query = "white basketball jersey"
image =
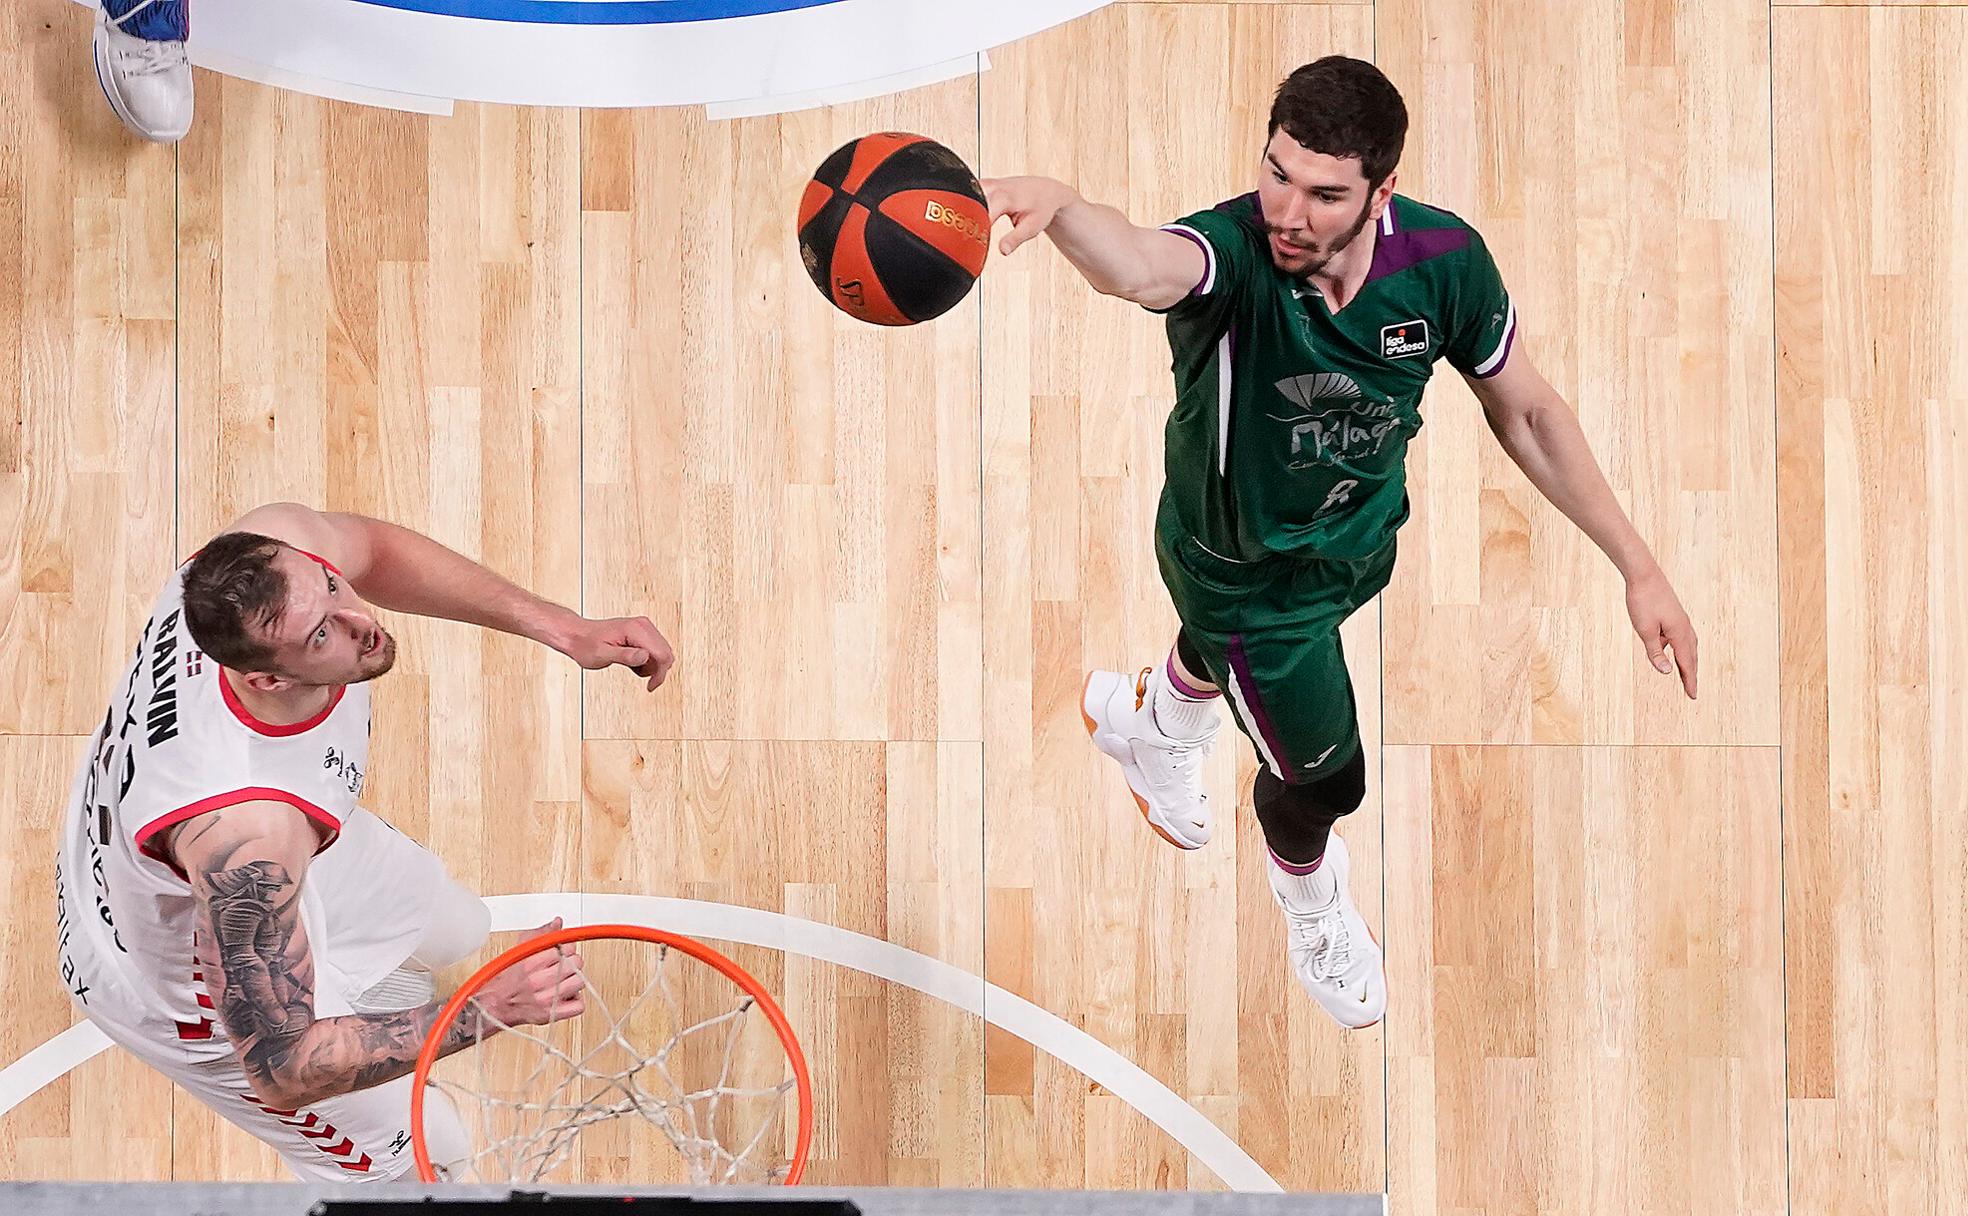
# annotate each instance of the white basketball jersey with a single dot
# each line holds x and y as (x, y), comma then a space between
(177, 743)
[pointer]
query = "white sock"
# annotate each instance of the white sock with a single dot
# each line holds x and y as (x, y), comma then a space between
(1177, 714)
(1304, 892)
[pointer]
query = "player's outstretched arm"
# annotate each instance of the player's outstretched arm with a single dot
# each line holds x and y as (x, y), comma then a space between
(1541, 434)
(406, 571)
(246, 865)
(1153, 268)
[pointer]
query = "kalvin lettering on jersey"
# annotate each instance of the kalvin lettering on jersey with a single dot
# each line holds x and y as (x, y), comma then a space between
(162, 718)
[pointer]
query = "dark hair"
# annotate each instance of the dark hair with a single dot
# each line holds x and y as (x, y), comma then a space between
(230, 588)
(1344, 107)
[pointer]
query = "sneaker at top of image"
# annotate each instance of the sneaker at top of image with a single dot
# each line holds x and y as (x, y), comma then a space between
(139, 49)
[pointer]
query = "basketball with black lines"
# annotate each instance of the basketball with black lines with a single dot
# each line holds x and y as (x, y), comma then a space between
(893, 228)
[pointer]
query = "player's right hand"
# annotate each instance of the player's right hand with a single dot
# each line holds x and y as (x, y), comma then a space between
(540, 988)
(1029, 202)
(631, 641)
(1663, 626)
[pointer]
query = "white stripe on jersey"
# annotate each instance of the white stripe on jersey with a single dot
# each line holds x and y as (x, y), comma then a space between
(1222, 405)
(1503, 343)
(1209, 256)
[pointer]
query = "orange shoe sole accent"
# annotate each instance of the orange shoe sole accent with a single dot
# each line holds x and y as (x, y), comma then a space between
(1141, 803)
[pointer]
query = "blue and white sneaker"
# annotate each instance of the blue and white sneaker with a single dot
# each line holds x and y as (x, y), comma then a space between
(141, 63)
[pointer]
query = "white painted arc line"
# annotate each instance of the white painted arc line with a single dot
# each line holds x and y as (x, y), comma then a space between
(787, 103)
(756, 927)
(317, 86)
(1069, 1045)
(49, 1063)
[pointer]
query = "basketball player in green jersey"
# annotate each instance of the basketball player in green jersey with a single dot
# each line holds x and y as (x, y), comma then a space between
(1305, 319)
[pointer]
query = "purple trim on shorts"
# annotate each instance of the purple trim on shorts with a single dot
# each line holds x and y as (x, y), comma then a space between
(1209, 255)
(1182, 686)
(1509, 340)
(1290, 867)
(1240, 663)
(1403, 249)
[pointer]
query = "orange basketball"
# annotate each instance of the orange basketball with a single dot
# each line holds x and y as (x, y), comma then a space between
(893, 228)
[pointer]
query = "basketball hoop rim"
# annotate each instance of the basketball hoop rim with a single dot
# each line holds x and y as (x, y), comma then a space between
(427, 1058)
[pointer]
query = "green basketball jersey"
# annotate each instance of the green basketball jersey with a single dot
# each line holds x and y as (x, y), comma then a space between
(1291, 423)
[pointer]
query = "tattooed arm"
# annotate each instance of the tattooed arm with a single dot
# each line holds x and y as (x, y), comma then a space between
(246, 864)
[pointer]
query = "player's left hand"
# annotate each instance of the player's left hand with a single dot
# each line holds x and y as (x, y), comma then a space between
(1663, 626)
(630, 641)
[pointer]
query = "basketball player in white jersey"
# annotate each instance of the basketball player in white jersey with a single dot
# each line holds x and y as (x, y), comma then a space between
(228, 913)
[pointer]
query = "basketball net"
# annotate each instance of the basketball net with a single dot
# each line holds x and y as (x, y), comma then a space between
(678, 1045)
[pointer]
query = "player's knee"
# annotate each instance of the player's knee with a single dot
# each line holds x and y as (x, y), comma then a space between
(459, 924)
(1296, 817)
(1342, 792)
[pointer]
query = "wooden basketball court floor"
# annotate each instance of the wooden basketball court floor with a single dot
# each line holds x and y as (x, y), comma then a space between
(1644, 955)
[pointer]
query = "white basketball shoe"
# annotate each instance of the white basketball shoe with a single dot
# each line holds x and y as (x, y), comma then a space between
(1165, 775)
(139, 48)
(1337, 960)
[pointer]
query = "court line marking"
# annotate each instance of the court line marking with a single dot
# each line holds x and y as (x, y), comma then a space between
(965, 990)
(860, 90)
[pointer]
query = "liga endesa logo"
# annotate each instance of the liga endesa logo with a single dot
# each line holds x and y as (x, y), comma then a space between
(1404, 340)
(950, 217)
(754, 56)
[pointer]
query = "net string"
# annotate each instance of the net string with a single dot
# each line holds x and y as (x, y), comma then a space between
(541, 1132)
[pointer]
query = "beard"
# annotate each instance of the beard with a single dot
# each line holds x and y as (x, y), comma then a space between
(1323, 257)
(379, 663)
